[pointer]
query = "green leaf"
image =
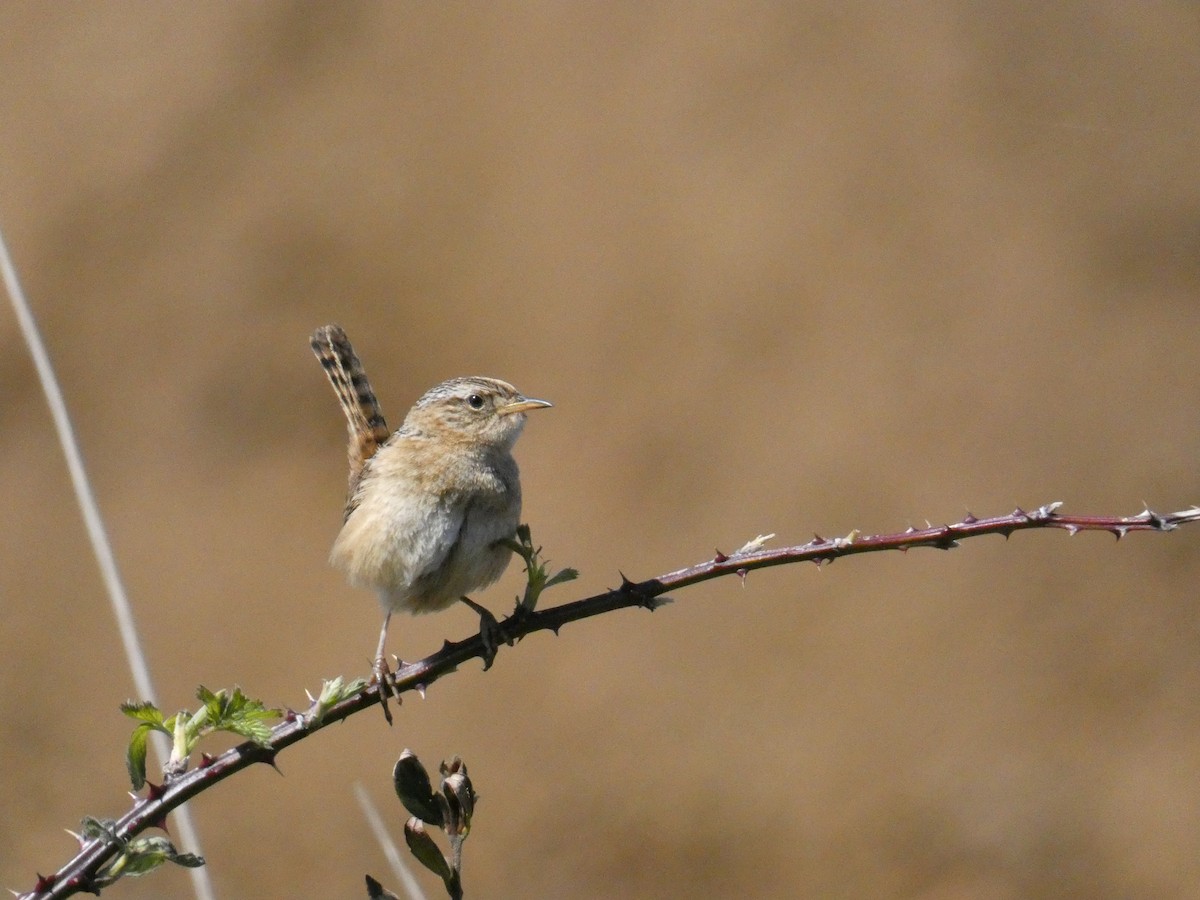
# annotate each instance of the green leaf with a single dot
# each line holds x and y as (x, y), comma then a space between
(241, 706)
(561, 577)
(233, 711)
(349, 690)
(135, 756)
(149, 718)
(333, 691)
(144, 712)
(537, 577)
(516, 548)
(209, 699)
(145, 854)
(238, 703)
(100, 829)
(252, 729)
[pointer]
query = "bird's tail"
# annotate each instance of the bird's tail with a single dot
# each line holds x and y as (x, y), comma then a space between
(364, 420)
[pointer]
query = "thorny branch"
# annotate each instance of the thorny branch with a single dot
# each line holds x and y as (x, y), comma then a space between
(82, 873)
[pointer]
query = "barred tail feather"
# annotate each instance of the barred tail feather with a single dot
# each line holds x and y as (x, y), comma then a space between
(364, 420)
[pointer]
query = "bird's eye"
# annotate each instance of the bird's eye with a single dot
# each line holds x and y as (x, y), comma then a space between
(475, 401)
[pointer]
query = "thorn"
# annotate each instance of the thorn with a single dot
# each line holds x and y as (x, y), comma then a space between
(1019, 513)
(420, 688)
(911, 529)
(83, 883)
(626, 584)
(653, 603)
(44, 883)
(1007, 532)
(311, 698)
(79, 837)
(720, 558)
(742, 573)
(159, 821)
(970, 519)
(269, 759)
(154, 791)
(1119, 531)
(818, 539)
(1072, 530)
(555, 629)
(206, 760)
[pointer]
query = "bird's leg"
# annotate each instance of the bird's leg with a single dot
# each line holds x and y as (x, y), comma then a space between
(489, 631)
(380, 671)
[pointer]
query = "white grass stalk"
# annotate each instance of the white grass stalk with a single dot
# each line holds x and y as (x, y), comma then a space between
(101, 547)
(402, 872)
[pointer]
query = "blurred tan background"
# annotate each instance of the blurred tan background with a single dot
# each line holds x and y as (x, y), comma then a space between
(782, 268)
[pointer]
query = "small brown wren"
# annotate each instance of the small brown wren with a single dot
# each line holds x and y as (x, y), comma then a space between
(431, 505)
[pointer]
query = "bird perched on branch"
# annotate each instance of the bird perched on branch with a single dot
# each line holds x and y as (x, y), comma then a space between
(431, 506)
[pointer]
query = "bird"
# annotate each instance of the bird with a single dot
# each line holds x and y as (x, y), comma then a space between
(431, 507)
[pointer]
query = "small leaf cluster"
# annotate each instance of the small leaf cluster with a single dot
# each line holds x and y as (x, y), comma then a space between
(538, 577)
(332, 693)
(449, 808)
(223, 710)
(135, 857)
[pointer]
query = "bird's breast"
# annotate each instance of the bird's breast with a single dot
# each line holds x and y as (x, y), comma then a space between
(424, 538)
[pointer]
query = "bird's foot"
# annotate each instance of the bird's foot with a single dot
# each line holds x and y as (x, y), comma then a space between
(381, 674)
(489, 632)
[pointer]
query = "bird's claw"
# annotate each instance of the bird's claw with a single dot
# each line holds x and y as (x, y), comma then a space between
(489, 632)
(381, 674)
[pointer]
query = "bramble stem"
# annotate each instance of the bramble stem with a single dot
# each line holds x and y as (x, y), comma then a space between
(79, 874)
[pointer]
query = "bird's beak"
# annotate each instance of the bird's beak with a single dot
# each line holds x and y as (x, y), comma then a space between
(522, 405)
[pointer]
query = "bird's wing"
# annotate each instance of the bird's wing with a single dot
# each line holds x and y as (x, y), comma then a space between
(435, 546)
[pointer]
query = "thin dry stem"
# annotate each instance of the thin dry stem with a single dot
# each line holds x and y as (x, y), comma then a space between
(135, 654)
(399, 867)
